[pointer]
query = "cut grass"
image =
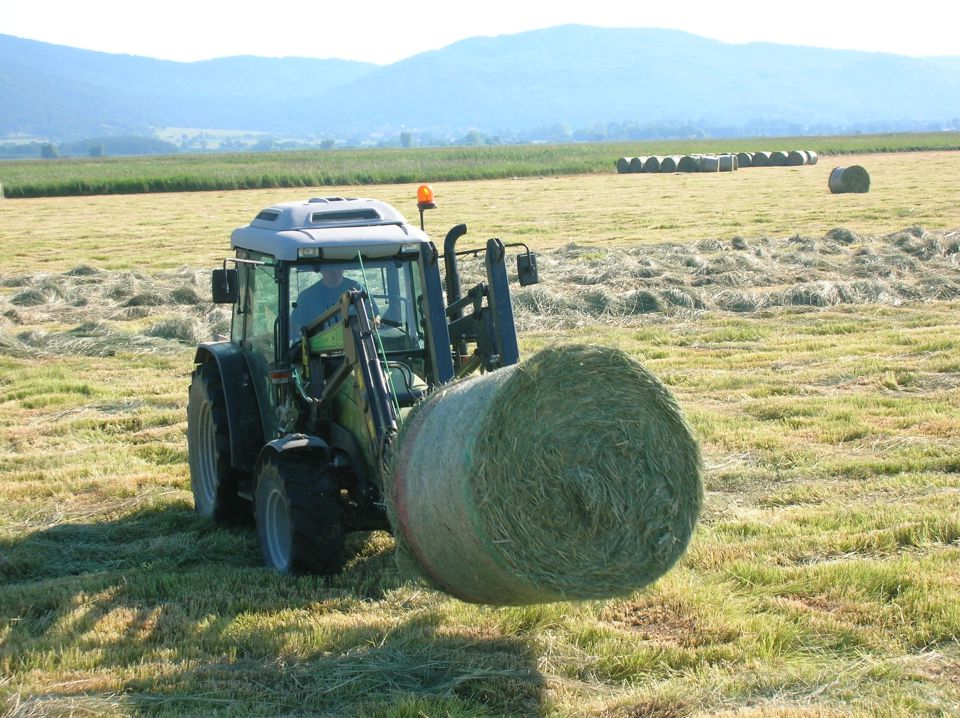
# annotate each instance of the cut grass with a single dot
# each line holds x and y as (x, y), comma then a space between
(823, 580)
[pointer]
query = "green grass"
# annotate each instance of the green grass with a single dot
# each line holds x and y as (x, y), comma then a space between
(206, 172)
(823, 580)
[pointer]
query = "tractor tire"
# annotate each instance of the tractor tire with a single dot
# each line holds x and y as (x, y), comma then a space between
(299, 516)
(213, 480)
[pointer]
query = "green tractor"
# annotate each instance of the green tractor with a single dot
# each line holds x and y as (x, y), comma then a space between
(341, 324)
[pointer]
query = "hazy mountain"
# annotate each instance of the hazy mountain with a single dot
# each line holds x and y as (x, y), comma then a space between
(65, 93)
(571, 76)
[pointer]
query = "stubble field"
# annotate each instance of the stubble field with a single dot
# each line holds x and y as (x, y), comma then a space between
(812, 339)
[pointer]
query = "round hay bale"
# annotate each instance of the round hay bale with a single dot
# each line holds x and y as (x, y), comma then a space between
(651, 164)
(709, 163)
(778, 159)
(636, 164)
(811, 157)
(623, 165)
(726, 163)
(745, 159)
(796, 158)
(849, 179)
(532, 502)
(669, 163)
(689, 163)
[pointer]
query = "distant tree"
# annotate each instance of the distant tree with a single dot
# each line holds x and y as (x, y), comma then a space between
(97, 150)
(327, 144)
(406, 139)
(49, 151)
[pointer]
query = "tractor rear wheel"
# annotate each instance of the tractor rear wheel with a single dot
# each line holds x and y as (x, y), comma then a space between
(213, 480)
(299, 516)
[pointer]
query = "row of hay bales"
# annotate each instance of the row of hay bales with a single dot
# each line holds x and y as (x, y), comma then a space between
(725, 162)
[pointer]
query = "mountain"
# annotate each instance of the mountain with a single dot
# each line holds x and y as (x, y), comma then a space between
(573, 76)
(65, 93)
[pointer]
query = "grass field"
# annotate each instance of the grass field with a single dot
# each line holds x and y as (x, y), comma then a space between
(207, 172)
(820, 370)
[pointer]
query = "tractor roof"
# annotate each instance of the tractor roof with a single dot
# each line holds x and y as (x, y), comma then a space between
(338, 226)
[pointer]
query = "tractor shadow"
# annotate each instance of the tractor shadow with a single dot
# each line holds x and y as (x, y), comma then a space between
(164, 589)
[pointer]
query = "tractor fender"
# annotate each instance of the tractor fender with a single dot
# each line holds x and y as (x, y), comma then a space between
(303, 444)
(243, 413)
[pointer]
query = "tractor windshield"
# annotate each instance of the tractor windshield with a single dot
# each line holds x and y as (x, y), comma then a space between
(392, 285)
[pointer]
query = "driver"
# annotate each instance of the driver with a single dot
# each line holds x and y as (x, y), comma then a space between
(320, 296)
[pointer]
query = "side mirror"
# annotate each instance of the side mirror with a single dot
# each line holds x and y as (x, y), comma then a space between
(224, 286)
(527, 269)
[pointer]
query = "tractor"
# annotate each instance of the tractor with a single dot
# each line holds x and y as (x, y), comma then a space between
(341, 323)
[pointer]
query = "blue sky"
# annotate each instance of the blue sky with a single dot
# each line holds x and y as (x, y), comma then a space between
(383, 32)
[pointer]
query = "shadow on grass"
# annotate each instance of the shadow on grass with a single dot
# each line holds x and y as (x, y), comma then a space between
(187, 608)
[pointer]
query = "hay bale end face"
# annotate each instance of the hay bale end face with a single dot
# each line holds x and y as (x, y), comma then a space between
(796, 158)
(501, 494)
(811, 157)
(849, 179)
(623, 165)
(778, 159)
(636, 164)
(689, 163)
(761, 159)
(744, 159)
(669, 163)
(651, 164)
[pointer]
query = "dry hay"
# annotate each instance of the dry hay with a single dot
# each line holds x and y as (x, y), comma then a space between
(539, 503)
(89, 312)
(738, 276)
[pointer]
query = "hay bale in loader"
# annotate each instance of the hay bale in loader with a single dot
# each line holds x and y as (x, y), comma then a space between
(575, 477)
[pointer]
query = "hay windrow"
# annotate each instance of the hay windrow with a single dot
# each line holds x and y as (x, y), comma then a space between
(89, 312)
(739, 275)
(556, 503)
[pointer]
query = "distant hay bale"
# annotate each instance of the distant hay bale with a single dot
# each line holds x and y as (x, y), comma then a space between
(623, 165)
(760, 159)
(727, 163)
(849, 179)
(811, 157)
(636, 164)
(669, 163)
(796, 158)
(745, 159)
(651, 164)
(689, 163)
(709, 163)
(538, 503)
(778, 159)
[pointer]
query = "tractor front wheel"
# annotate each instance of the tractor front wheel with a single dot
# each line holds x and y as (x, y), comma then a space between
(299, 517)
(213, 480)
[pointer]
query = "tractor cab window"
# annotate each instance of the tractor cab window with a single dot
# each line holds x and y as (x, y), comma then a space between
(392, 285)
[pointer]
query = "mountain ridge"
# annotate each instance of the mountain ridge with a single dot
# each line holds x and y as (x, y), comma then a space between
(565, 78)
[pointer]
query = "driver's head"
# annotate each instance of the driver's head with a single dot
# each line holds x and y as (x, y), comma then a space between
(332, 277)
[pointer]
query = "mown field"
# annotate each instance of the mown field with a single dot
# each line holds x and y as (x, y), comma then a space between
(812, 339)
(206, 172)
